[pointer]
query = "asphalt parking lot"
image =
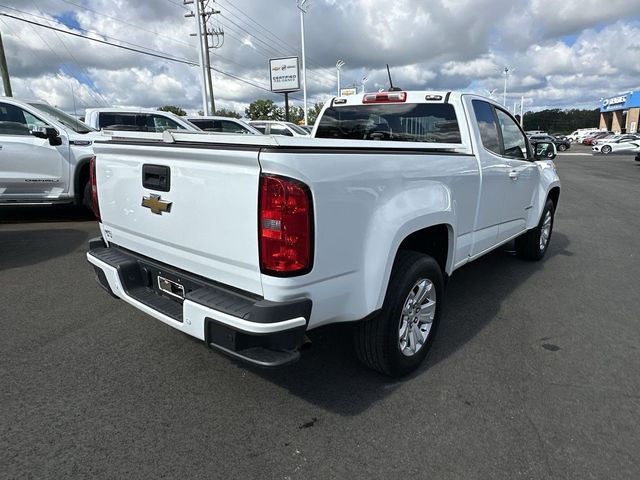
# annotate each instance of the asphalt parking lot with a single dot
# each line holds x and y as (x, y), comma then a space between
(534, 373)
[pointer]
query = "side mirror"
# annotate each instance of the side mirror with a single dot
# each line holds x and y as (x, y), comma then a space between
(544, 150)
(47, 132)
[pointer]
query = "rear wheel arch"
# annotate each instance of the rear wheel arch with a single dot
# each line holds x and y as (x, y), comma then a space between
(81, 178)
(554, 196)
(435, 241)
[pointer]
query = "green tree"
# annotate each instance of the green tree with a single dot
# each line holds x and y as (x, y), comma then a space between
(223, 112)
(296, 114)
(561, 121)
(264, 110)
(173, 109)
(313, 112)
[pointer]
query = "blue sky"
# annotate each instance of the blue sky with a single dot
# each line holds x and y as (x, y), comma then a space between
(571, 58)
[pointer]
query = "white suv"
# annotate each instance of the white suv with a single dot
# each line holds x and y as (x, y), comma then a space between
(217, 124)
(271, 127)
(136, 119)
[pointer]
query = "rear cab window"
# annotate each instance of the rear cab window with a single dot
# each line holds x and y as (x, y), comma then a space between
(400, 122)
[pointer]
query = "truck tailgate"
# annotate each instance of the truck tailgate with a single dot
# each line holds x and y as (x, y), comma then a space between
(205, 219)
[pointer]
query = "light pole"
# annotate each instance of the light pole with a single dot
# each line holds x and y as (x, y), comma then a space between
(364, 81)
(303, 7)
(339, 65)
(507, 71)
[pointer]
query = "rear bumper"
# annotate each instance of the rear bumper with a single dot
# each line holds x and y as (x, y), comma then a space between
(240, 324)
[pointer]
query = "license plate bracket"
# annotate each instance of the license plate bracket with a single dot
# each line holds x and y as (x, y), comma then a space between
(171, 288)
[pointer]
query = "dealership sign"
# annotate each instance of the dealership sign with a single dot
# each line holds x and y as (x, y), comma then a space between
(284, 74)
(614, 101)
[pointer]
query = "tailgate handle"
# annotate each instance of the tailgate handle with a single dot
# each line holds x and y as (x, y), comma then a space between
(156, 177)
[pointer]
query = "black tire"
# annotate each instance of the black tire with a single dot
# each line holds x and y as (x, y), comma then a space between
(562, 147)
(606, 150)
(86, 196)
(528, 245)
(377, 340)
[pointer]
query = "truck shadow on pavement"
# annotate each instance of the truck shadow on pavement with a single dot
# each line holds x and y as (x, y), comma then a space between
(25, 240)
(329, 374)
(21, 248)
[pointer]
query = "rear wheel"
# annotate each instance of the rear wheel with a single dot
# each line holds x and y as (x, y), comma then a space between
(606, 149)
(533, 244)
(562, 147)
(398, 338)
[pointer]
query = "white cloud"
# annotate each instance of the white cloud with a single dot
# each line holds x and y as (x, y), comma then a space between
(565, 52)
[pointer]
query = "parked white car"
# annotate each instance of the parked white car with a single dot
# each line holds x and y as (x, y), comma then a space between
(136, 119)
(271, 127)
(218, 124)
(623, 144)
(579, 134)
(44, 154)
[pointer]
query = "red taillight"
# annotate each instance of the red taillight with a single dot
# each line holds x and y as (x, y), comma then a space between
(285, 216)
(94, 188)
(384, 97)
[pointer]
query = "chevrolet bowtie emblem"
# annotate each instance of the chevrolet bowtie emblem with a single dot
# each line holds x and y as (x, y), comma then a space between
(156, 205)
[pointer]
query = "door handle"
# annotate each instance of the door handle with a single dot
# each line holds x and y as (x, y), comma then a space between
(513, 175)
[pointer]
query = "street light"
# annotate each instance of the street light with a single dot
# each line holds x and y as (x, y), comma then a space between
(364, 81)
(507, 71)
(339, 65)
(303, 6)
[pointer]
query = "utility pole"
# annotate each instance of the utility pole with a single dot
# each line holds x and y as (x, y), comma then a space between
(339, 65)
(4, 70)
(504, 96)
(202, 16)
(303, 7)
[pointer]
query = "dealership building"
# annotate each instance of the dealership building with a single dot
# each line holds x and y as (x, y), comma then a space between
(620, 114)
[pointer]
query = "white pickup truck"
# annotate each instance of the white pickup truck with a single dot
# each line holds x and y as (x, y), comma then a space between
(44, 154)
(247, 242)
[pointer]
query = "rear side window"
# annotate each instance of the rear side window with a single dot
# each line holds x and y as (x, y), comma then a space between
(261, 127)
(407, 122)
(487, 126)
(111, 120)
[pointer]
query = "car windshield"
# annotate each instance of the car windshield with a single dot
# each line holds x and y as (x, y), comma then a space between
(65, 119)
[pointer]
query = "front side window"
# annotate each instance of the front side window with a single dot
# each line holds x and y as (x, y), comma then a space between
(515, 143)
(12, 120)
(277, 129)
(227, 126)
(261, 127)
(487, 126)
(203, 124)
(160, 123)
(406, 122)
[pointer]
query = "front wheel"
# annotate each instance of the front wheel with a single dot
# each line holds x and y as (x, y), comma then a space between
(397, 339)
(606, 149)
(533, 244)
(562, 148)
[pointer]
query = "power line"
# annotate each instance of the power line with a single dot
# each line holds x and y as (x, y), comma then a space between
(131, 49)
(119, 20)
(100, 98)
